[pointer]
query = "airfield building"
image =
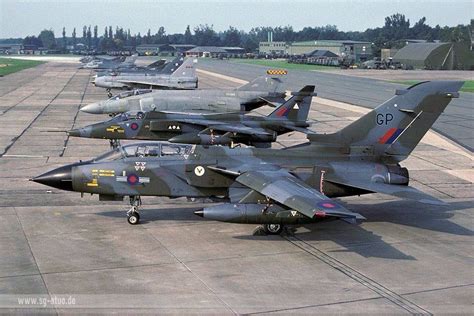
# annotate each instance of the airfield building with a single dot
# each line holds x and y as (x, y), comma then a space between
(435, 56)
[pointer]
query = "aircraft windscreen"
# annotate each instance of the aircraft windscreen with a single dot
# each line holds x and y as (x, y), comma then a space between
(157, 150)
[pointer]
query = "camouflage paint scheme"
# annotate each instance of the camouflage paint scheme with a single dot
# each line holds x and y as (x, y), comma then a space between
(277, 186)
(112, 63)
(261, 91)
(183, 77)
(207, 129)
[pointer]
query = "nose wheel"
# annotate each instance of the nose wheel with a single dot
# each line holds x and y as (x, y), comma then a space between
(133, 217)
(114, 143)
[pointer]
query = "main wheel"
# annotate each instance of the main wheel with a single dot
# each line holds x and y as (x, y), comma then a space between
(134, 218)
(273, 229)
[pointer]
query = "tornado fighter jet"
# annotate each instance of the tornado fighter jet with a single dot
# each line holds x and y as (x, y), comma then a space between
(261, 91)
(183, 77)
(207, 129)
(274, 187)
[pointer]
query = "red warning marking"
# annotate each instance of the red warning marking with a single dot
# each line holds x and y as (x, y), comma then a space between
(320, 214)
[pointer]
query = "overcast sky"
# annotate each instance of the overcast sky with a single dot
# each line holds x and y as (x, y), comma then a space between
(29, 17)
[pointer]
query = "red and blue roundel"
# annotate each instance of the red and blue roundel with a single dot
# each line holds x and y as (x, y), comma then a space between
(327, 204)
(134, 126)
(132, 179)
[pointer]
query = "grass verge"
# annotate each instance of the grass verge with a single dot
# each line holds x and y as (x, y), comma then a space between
(467, 87)
(281, 64)
(10, 65)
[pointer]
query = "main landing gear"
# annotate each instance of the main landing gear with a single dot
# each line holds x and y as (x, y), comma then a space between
(273, 229)
(133, 217)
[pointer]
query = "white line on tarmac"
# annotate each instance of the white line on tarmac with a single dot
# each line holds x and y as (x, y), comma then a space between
(213, 74)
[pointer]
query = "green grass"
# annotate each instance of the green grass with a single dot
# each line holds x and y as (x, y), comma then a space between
(281, 64)
(10, 65)
(467, 87)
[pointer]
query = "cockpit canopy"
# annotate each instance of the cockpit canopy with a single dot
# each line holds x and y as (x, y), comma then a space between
(152, 149)
(130, 93)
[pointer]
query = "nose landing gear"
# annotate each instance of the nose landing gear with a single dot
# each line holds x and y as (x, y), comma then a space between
(133, 217)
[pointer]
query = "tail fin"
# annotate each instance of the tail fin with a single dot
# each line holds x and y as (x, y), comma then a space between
(172, 65)
(186, 69)
(157, 65)
(130, 59)
(273, 82)
(297, 107)
(393, 129)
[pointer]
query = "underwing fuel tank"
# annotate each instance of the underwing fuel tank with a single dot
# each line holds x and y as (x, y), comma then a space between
(253, 214)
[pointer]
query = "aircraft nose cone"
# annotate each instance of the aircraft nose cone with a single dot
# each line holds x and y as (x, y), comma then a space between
(92, 108)
(60, 178)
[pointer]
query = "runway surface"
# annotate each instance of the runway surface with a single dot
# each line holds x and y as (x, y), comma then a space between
(456, 123)
(406, 258)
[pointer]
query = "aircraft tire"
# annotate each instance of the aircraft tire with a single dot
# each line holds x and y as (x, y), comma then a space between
(133, 219)
(273, 229)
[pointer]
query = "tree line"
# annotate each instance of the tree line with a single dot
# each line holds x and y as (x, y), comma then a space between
(396, 28)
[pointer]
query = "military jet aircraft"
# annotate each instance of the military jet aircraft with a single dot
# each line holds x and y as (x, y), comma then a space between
(261, 91)
(161, 66)
(119, 62)
(182, 77)
(207, 129)
(274, 187)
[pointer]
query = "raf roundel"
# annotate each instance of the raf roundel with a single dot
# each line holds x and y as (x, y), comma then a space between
(134, 126)
(132, 179)
(327, 204)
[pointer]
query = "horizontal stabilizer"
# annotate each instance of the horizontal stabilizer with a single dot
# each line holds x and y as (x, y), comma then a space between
(400, 191)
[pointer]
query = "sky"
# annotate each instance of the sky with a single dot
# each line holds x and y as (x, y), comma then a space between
(28, 17)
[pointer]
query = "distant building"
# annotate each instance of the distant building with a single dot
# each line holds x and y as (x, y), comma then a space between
(273, 48)
(387, 54)
(10, 48)
(162, 49)
(436, 56)
(214, 51)
(426, 56)
(347, 49)
(148, 49)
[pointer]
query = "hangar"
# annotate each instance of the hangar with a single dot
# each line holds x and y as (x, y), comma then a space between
(426, 56)
(435, 56)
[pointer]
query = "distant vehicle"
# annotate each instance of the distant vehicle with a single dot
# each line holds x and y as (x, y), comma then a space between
(207, 129)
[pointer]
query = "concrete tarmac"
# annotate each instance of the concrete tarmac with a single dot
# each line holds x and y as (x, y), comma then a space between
(79, 255)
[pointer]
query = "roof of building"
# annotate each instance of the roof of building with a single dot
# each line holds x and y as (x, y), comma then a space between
(417, 51)
(322, 53)
(328, 43)
(234, 48)
(207, 49)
